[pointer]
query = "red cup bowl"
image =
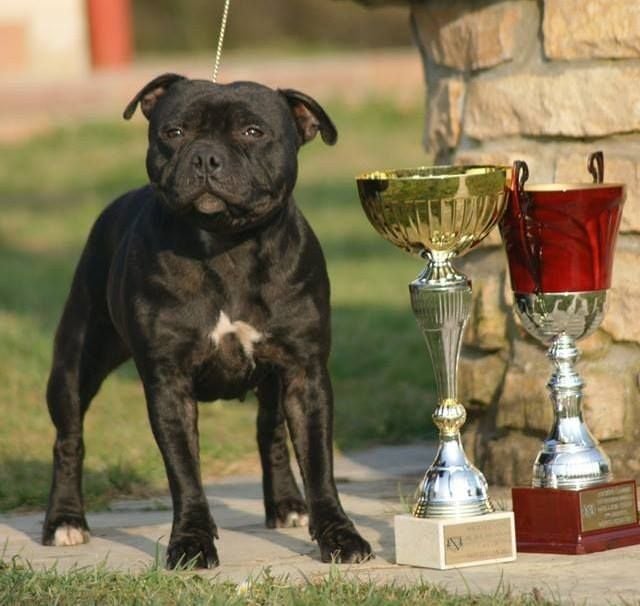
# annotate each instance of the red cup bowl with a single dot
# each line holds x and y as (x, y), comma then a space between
(561, 237)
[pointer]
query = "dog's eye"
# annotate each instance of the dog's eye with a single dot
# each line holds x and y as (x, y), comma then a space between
(173, 133)
(252, 131)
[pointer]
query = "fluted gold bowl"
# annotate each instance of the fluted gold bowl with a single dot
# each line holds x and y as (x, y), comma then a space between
(446, 209)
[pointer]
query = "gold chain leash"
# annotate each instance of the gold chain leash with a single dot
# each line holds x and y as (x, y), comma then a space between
(223, 27)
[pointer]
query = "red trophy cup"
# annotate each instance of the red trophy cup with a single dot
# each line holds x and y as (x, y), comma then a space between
(560, 241)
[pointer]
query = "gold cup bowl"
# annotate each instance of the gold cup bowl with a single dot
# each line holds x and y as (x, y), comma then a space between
(439, 213)
(443, 209)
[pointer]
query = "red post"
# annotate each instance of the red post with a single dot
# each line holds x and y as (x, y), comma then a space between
(110, 32)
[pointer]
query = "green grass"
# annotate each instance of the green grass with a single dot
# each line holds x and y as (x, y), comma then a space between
(379, 364)
(21, 585)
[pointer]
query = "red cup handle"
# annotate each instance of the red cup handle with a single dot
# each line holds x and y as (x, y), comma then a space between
(526, 223)
(595, 166)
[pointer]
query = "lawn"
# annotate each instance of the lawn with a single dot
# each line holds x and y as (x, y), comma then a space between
(379, 364)
(21, 586)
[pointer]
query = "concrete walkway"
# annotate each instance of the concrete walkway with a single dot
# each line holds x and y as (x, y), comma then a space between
(129, 535)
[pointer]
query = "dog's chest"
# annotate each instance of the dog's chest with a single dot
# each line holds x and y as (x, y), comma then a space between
(227, 366)
(233, 345)
(238, 311)
(228, 318)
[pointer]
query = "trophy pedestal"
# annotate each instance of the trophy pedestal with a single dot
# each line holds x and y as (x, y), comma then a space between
(455, 542)
(553, 520)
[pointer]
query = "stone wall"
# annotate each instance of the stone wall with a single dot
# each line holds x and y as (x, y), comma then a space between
(548, 82)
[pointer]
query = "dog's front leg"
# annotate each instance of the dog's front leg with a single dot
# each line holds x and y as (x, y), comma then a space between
(173, 413)
(308, 406)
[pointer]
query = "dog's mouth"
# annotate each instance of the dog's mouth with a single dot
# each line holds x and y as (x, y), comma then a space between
(213, 208)
(209, 204)
(211, 200)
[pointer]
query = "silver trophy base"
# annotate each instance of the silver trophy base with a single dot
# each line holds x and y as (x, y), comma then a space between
(570, 466)
(571, 457)
(452, 487)
(455, 542)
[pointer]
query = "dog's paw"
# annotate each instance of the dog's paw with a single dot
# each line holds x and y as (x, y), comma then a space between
(343, 544)
(192, 552)
(65, 532)
(67, 535)
(288, 513)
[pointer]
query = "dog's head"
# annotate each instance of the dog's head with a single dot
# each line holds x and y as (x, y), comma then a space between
(224, 156)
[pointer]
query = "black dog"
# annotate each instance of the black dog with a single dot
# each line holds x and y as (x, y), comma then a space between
(212, 280)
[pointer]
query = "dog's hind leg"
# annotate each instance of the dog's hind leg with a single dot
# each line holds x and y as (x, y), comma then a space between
(87, 348)
(284, 505)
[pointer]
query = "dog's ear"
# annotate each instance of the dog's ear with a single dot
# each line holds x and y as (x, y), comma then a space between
(150, 94)
(310, 117)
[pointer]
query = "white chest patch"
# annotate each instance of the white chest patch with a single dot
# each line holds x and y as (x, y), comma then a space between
(244, 332)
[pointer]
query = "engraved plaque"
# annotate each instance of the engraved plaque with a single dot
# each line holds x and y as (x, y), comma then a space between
(475, 541)
(608, 507)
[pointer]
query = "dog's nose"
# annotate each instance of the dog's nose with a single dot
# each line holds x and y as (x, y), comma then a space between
(206, 163)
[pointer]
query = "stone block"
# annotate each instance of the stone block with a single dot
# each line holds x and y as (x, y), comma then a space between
(611, 401)
(509, 459)
(524, 401)
(465, 37)
(624, 458)
(617, 169)
(510, 414)
(622, 320)
(486, 268)
(585, 101)
(445, 115)
(538, 409)
(575, 29)
(507, 295)
(486, 329)
(539, 158)
(480, 377)
(605, 397)
(595, 346)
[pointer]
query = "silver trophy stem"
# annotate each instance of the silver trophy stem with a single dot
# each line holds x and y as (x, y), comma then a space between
(570, 457)
(441, 302)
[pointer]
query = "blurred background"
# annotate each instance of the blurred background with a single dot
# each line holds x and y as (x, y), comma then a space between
(68, 69)
(44, 37)
(302, 26)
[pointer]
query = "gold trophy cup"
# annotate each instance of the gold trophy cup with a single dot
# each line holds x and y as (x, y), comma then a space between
(439, 213)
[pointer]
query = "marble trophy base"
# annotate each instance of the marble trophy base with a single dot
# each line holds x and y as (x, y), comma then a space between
(556, 520)
(444, 543)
